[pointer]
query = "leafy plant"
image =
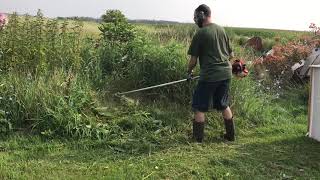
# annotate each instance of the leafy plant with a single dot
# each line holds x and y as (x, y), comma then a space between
(115, 27)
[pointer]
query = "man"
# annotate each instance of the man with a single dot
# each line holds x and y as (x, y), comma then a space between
(211, 46)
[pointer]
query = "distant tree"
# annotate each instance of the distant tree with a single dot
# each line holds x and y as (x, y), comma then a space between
(114, 16)
(115, 27)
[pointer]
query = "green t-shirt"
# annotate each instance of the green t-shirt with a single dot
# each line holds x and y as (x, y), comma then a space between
(211, 45)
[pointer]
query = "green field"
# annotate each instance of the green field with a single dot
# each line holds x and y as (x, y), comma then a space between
(60, 119)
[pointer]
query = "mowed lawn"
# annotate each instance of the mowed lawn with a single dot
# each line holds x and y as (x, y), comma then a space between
(279, 151)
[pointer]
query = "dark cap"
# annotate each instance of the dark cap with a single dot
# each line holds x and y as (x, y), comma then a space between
(205, 9)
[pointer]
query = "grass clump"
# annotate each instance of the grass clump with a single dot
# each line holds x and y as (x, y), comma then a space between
(55, 105)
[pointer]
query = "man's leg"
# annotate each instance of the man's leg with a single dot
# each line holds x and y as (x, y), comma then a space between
(227, 113)
(198, 126)
(229, 124)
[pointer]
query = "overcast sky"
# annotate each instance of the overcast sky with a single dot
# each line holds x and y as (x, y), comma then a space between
(279, 14)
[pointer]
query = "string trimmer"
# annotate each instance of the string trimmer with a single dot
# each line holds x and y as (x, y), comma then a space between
(157, 86)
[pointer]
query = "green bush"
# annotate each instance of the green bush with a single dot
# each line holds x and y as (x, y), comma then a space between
(115, 27)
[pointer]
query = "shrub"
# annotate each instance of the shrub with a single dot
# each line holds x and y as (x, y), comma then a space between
(115, 27)
(278, 64)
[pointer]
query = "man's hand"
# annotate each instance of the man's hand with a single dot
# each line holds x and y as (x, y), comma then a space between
(189, 76)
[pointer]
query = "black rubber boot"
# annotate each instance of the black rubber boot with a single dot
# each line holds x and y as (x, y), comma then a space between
(198, 131)
(230, 130)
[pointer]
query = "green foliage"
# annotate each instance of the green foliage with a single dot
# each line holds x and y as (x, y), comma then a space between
(263, 33)
(37, 45)
(56, 66)
(178, 32)
(57, 105)
(253, 107)
(243, 40)
(115, 27)
(114, 16)
(267, 44)
(91, 70)
(5, 124)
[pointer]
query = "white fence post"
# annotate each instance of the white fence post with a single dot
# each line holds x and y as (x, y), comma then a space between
(314, 103)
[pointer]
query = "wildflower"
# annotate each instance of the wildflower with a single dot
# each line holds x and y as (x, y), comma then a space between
(312, 25)
(3, 20)
(318, 31)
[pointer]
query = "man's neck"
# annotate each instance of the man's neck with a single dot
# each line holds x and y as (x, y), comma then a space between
(207, 22)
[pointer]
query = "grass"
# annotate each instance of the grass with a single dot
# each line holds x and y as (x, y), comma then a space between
(91, 28)
(263, 153)
(274, 151)
(184, 32)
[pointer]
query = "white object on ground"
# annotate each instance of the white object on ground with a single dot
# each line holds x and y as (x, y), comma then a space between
(270, 52)
(313, 59)
(298, 65)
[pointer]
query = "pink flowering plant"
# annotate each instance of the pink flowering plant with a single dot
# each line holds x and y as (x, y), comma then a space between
(3, 20)
(314, 28)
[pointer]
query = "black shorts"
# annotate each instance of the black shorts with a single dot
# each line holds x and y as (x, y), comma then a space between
(213, 95)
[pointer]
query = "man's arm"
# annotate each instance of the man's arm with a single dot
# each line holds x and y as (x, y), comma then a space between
(231, 53)
(192, 64)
